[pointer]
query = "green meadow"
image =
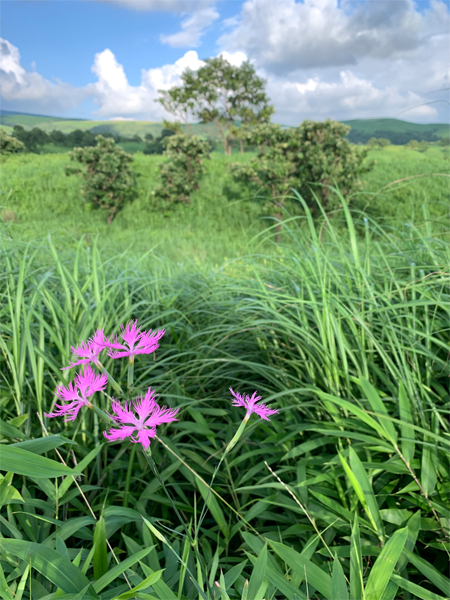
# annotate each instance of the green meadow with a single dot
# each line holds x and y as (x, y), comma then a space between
(342, 327)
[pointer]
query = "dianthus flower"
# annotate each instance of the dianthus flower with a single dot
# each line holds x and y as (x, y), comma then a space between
(251, 405)
(140, 428)
(77, 395)
(136, 342)
(89, 351)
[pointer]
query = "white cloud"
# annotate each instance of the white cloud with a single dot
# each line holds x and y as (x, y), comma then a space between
(117, 98)
(287, 36)
(192, 28)
(346, 60)
(29, 91)
(197, 15)
(348, 97)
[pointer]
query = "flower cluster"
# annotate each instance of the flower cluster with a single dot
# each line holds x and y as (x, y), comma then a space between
(136, 420)
(135, 342)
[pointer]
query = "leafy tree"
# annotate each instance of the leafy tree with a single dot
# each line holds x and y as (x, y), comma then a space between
(148, 137)
(57, 137)
(445, 141)
(10, 144)
(220, 93)
(312, 153)
(157, 146)
(109, 181)
(383, 142)
(33, 140)
(413, 145)
(372, 143)
(181, 174)
(423, 146)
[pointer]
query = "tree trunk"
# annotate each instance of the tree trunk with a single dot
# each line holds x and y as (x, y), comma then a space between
(241, 142)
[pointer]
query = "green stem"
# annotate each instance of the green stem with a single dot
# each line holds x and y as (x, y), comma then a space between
(128, 477)
(102, 414)
(111, 379)
(230, 446)
(130, 373)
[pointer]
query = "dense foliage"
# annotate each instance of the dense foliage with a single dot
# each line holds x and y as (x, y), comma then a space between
(311, 158)
(344, 494)
(109, 181)
(10, 144)
(220, 93)
(181, 173)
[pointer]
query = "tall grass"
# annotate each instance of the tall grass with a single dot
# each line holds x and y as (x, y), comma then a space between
(343, 494)
(223, 217)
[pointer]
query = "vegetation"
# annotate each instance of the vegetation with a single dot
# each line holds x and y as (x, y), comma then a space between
(345, 490)
(181, 174)
(220, 93)
(314, 153)
(109, 179)
(224, 218)
(10, 144)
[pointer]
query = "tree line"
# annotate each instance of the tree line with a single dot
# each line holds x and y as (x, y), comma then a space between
(34, 140)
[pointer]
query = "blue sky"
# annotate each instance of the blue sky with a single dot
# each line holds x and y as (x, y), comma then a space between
(105, 59)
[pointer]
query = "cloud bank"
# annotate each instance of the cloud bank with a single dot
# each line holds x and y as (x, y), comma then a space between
(321, 59)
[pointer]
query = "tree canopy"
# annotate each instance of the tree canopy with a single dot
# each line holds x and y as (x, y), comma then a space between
(220, 93)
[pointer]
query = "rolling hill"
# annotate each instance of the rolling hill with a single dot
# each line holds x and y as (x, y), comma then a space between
(395, 130)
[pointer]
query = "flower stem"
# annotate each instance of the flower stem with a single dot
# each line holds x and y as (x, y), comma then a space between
(130, 373)
(229, 447)
(102, 414)
(111, 379)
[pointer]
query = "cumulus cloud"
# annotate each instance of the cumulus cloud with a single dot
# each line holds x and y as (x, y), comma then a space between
(29, 90)
(345, 60)
(289, 35)
(348, 97)
(117, 98)
(197, 15)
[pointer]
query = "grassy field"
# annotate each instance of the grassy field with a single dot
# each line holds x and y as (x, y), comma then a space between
(342, 494)
(38, 199)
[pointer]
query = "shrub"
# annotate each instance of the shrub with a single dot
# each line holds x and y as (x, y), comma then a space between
(413, 145)
(10, 144)
(312, 153)
(422, 146)
(181, 174)
(109, 180)
(156, 146)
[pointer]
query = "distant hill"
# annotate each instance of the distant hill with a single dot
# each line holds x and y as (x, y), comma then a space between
(11, 118)
(395, 130)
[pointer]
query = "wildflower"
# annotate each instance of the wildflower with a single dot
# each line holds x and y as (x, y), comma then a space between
(77, 395)
(136, 342)
(140, 428)
(251, 405)
(89, 351)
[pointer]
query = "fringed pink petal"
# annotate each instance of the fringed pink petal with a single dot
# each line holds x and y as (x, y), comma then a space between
(123, 413)
(120, 434)
(144, 436)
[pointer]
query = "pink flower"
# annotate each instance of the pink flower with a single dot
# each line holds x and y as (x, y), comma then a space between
(142, 427)
(136, 341)
(90, 350)
(251, 405)
(77, 395)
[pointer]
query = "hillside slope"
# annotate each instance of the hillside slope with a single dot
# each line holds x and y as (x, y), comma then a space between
(395, 130)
